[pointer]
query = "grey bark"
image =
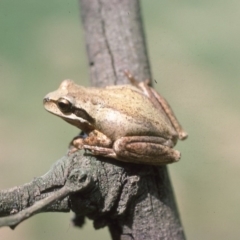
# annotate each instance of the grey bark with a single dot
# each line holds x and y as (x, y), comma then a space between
(115, 41)
(134, 201)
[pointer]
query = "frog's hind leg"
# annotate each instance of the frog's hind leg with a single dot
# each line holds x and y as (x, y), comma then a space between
(101, 151)
(169, 112)
(159, 102)
(145, 150)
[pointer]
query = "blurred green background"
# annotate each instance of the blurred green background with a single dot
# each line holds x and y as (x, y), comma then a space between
(195, 55)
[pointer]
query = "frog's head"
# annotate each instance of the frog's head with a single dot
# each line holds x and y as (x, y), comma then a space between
(67, 102)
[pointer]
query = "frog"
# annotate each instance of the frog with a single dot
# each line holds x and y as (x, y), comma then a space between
(131, 122)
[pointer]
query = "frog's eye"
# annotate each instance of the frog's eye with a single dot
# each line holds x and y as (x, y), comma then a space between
(64, 105)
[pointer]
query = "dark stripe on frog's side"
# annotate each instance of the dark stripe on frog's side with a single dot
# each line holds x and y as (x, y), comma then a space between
(83, 114)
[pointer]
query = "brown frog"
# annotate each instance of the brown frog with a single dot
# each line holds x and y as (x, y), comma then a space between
(131, 123)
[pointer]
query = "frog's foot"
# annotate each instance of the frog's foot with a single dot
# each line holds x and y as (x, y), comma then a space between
(75, 145)
(72, 150)
(101, 151)
(134, 81)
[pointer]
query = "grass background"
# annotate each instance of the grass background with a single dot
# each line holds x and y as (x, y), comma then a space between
(195, 56)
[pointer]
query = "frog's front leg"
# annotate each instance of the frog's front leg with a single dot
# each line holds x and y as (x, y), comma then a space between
(140, 149)
(93, 138)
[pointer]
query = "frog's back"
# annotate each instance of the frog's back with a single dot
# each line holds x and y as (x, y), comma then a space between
(133, 112)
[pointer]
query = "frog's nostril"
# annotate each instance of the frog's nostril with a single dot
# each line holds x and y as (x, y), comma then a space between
(46, 99)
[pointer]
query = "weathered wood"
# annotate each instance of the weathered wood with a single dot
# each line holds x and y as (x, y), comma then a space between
(115, 41)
